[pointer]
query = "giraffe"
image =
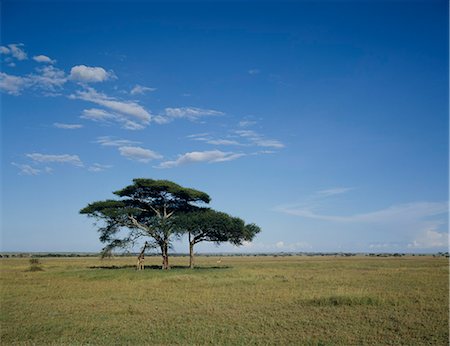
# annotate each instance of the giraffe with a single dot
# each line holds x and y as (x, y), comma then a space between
(140, 261)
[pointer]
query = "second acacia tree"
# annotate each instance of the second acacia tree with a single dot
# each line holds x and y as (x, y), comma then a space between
(212, 226)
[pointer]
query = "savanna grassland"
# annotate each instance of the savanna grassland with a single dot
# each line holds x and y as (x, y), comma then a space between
(243, 300)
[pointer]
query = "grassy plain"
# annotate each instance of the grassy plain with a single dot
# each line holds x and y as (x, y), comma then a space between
(247, 301)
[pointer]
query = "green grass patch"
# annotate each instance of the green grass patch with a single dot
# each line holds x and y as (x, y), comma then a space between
(245, 301)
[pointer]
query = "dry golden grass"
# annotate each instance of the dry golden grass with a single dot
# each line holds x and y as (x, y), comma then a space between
(247, 300)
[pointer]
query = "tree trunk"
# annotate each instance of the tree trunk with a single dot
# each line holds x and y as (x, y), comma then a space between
(165, 255)
(191, 255)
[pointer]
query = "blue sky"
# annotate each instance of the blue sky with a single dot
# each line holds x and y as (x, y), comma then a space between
(326, 123)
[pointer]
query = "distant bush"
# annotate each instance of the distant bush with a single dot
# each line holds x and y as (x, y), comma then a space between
(35, 265)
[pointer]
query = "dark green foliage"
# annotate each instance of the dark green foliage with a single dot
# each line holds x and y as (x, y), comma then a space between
(213, 226)
(210, 225)
(163, 192)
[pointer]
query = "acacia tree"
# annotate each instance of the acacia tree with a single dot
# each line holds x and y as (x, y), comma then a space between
(147, 209)
(213, 226)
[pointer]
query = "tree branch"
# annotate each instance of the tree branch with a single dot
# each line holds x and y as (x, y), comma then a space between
(148, 230)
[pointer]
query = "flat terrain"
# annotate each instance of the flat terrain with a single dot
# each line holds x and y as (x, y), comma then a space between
(243, 300)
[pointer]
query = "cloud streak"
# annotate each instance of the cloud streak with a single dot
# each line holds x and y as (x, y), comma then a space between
(64, 158)
(130, 114)
(140, 90)
(67, 126)
(201, 156)
(257, 139)
(400, 211)
(139, 154)
(189, 113)
(108, 141)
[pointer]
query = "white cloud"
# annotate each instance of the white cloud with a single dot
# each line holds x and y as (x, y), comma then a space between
(132, 125)
(430, 239)
(205, 137)
(139, 154)
(268, 143)
(97, 167)
(258, 140)
(4, 50)
(87, 74)
(67, 126)
(27, 169)
(254, 71)
(122, 109)
(48, 78)
(13, 85)
(246, 123)
(64, 158)
(248, 134)
(222, 142)
(43, 59)
(96, 114)
(198, 135)
(108, 141)
(334, 191)
(17, 52)
(139, 90)
(190, 113)
(201, 156)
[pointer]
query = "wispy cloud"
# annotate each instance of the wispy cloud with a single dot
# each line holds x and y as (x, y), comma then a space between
(201, 156)
(259, 140)
(139, 154)
(27, 169)
(15, 50)
(246, 123)
(4, 50)
(189, 113)
(96, 114)
(129, 113)
(67, 126)
(64, 158)
(254, 71)
(87, 74)
(97, 167)
(108, 141)
(205, 137)
(48, 78)
(43, 59)
(407, 211)
(334, 191)
(13, 85)
(223, 142)
(139, 90)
